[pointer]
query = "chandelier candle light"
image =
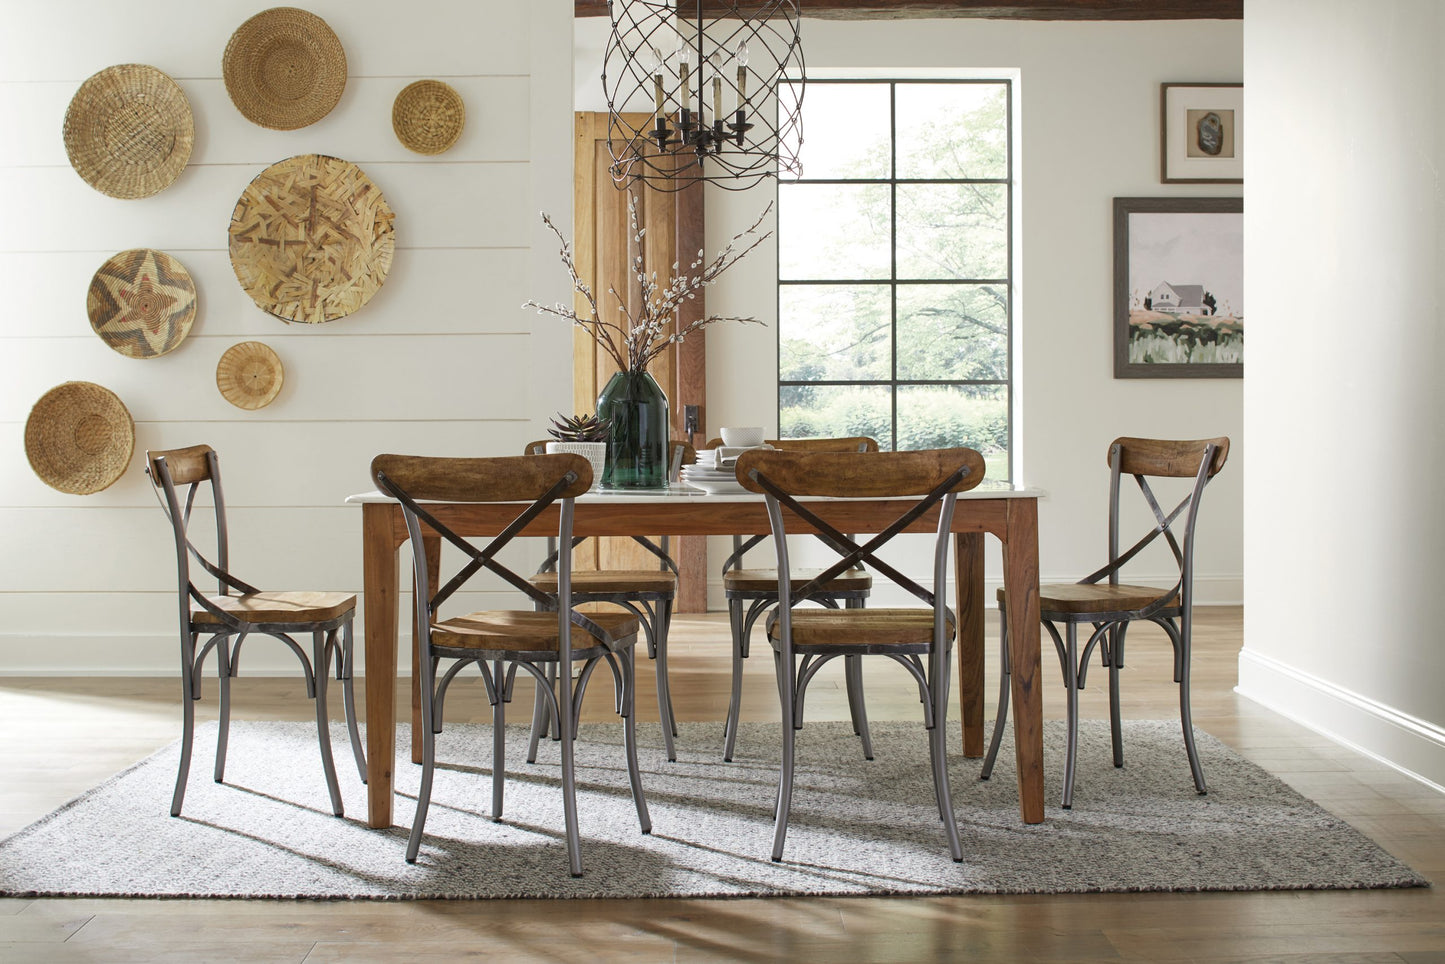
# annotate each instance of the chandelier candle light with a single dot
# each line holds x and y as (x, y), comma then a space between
(632, 402)
(655, 57)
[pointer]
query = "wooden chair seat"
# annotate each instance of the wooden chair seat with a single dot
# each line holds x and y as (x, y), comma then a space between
(610, 581)
(1079, 598)
(766, 580)
(278, 607)
(523, 632)
(898, 630)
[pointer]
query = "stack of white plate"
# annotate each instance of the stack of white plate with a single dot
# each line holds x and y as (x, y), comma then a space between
(713, 481)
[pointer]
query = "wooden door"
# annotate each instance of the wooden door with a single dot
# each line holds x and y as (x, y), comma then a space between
(605, 247)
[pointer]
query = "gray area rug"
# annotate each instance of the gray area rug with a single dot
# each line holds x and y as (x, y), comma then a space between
(857, 827)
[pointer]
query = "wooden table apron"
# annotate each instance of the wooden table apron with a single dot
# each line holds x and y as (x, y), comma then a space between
(1012, 518)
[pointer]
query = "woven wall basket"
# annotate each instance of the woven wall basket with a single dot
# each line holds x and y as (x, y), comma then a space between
(249, 375)
(129, 131)
(284, 68)
(141, 303)
(79, 438)
(311, 239)
(428, 116)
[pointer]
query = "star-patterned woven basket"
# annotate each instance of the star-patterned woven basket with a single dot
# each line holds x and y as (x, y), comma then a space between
(141, 303)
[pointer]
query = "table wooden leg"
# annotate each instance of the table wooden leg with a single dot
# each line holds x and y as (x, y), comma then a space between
(1021, 584)
(433, 546)
(968, 575)
(379, 595)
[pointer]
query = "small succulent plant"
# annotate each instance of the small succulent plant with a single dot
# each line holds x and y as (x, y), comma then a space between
(579, 428)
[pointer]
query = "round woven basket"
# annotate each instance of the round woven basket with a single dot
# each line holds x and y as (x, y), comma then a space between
(141, 303)
(249, 375)
(129, 131)
(284, 68)
(79, 438)
(311, 239)
(428, 116)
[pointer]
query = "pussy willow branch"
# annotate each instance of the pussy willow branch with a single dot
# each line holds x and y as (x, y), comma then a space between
(636, 341)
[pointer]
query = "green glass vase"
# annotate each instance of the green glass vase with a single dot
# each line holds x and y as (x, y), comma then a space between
(637, 449)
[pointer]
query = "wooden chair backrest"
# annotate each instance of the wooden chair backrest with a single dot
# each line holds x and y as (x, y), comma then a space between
(860, 474)
(186, 465)
(508, 478)
(857, 443)
(1168, 458)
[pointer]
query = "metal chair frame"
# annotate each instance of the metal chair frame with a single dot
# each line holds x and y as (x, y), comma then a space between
(653, 610)
(931, 676)
(331, 639)
(498, 667)
(1109, 627)
(746, 606)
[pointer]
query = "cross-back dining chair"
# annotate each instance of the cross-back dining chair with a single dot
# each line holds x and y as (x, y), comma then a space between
(500, 642)
(649, 594)
(1109, 607)
(750, 592)
(919, 639)
(238, 610)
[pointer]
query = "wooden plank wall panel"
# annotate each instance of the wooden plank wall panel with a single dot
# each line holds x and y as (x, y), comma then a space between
(441, 361)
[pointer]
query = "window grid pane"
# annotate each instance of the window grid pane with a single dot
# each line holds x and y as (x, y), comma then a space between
(894, 310)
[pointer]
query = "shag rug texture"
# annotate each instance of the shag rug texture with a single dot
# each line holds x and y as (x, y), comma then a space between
(857, 827)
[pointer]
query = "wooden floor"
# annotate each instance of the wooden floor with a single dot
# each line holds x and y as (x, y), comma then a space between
(65, 735)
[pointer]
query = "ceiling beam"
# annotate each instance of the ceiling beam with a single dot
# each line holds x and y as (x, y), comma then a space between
(996, 9)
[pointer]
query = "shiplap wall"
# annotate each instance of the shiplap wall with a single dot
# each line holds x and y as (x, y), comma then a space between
(441, 361)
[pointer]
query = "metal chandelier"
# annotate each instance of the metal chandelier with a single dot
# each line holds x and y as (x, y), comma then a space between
(665, 60)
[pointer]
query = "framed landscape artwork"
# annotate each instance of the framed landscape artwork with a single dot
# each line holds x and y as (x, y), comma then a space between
(1178, 287)
(1201, 133)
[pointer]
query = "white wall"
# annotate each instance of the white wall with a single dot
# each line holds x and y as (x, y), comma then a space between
(1345, 522)
(442, 361)
(1089, 103)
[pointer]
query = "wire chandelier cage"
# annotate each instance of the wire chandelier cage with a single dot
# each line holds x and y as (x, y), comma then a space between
(703, 91)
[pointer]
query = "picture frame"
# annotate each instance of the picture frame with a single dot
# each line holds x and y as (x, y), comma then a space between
(1178, 287)
(1201, 133)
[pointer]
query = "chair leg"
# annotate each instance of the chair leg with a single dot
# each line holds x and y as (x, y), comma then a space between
(1071, 709)
(1001, 717)
(1116, 726)
(786, 690)
(427, 667)
(223, 722)
(323, 721)
(938, 745)
(348, 697)
(735, 699)
(629, 736)
(857, 709)
(664, 694)
(499, 740)
(541, 712)
(569, 774)
(188, 719)
(1186, 715)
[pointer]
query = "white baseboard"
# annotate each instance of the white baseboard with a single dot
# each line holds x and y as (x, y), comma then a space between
(1406, 743)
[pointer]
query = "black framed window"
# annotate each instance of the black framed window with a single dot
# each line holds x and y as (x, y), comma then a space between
(895, 253)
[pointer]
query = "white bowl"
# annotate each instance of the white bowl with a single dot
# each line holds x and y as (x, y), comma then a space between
(743, 437)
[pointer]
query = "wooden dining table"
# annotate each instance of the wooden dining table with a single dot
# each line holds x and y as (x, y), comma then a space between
(1009, 513)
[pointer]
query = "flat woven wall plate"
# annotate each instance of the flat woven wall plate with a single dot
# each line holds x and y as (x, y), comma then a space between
(129, 131)
(284, 68)
(311, 239)
(79, 438)
(141, 303)
(249, 375)
(428, 116)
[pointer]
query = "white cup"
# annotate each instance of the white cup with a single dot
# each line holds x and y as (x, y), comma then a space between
(743, 437)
